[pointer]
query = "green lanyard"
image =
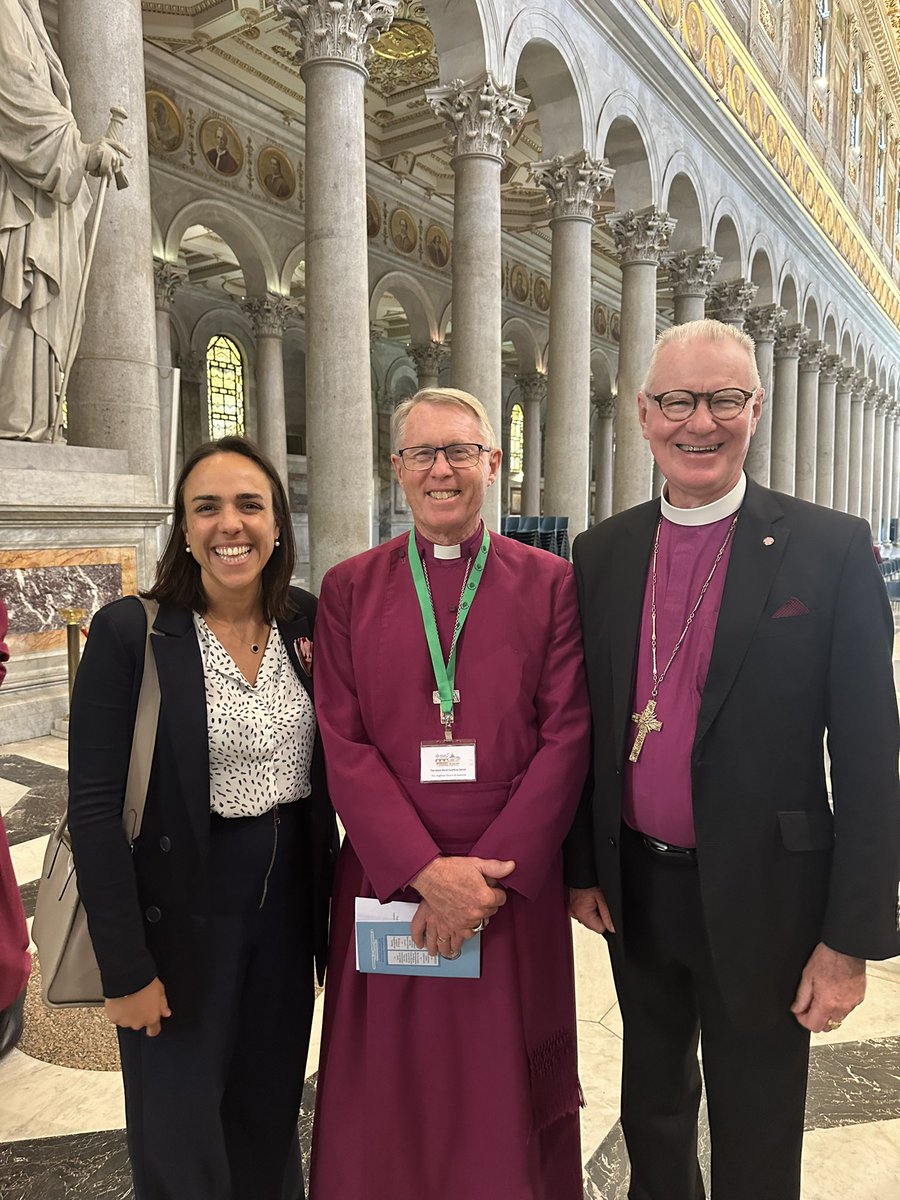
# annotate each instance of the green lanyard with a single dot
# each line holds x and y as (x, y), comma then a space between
(445, 673)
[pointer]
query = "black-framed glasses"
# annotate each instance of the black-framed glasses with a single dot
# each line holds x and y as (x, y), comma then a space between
(458, 454)
(725, 404)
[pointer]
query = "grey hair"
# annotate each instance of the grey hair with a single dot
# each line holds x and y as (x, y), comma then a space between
(706, 330)
(441, 395)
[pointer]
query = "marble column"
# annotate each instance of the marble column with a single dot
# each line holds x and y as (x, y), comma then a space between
(574, 185)
(879, 421)
(605, 410)
(730, 301)
(895, 472)
(843, 392)
(762, 324)
(333, 51)
(113, 394)
(383, 474)
(690, 273)
(809, 364)
(789, 341)
(428, 357)
(868, 452)
(268, 315)
(887, 494)
(167, 278)
(533, 385)
(825, 429)
(640, 237)
(194, 422)
(855, 457)
(481, 114)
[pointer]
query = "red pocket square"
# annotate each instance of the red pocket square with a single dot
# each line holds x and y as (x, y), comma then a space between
(791, 608)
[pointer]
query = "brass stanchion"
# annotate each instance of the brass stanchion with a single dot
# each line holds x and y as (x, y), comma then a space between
(73, 618)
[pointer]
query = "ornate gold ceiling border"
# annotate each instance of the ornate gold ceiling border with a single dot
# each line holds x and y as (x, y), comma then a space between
(709, 44)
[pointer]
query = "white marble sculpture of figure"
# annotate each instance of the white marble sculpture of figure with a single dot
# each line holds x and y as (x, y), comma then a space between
(44, 202)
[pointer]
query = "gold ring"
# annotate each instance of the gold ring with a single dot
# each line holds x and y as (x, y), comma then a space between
(832, 1024)
(478, 928)
(440, 939)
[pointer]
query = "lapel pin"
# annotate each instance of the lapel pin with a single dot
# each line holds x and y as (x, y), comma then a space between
(768, 541)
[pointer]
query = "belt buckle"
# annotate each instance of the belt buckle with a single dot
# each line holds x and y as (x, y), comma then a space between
(656, 844)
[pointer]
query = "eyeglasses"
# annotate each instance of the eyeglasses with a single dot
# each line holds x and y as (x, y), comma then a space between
(725, 404)
(460, 454)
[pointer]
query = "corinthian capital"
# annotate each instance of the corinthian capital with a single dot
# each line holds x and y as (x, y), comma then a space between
(871, 393)
(812, 355)
(831, 365)
(574, 183)
(428, 357)
(790, 341)
(533, 385)
(267, 313)
(167, 278)
(605, 407)
(482, 115)
(642, 236)
(764, 322)
(845, 377)
(692, 271)
(338, 29)
(731, 299)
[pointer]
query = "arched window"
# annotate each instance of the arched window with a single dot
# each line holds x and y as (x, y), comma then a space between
(224, 387)
(856, 95)
(517, 441)
(820, 51)
(881, 157)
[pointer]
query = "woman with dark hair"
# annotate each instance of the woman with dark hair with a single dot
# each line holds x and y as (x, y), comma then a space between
(206, 929)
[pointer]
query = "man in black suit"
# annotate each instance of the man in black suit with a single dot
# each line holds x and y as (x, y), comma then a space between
(727, 628)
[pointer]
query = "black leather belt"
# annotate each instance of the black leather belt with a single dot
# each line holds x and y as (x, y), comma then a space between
(684, 855)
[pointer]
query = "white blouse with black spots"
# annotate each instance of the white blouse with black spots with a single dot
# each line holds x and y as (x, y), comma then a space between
(260, 734)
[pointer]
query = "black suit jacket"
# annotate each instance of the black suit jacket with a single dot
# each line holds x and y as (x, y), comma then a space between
(778, 871)
(146, 907)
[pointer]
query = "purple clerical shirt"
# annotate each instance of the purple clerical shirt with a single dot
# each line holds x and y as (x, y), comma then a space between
(658, 799)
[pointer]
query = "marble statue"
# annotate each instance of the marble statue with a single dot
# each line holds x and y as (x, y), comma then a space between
(44, 203)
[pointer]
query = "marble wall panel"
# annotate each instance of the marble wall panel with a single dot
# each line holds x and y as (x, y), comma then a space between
(36, 583)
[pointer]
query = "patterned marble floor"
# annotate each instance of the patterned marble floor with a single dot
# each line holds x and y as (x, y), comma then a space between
(61, 1126)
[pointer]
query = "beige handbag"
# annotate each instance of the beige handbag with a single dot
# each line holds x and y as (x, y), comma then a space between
(70, 977)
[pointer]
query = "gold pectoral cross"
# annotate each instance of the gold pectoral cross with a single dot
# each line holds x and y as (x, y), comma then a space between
(647, 723)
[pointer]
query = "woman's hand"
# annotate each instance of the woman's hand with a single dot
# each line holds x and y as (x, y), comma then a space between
(141, 1010)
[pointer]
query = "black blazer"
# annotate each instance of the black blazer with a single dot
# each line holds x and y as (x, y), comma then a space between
(146, 907)
(778, 872)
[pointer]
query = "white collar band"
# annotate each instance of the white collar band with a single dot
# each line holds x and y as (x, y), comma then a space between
(707, 514)
(447, 551)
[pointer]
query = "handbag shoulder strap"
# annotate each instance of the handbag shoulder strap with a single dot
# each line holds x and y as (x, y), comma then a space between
(143, 741)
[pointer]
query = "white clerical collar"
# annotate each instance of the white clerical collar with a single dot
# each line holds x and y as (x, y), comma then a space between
(707, 514)
(447, 551)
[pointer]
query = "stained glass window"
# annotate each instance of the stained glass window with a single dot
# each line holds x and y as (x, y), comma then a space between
(225, 387)
(516, 440)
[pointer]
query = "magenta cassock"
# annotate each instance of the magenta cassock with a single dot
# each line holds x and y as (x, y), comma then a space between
(434, 1088)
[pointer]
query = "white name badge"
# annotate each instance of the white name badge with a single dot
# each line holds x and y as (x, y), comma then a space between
(447, 762)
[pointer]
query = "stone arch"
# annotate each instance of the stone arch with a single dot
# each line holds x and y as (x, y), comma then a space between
(603, 374)
(871, 369)
(445, 324)
(811, 317)
(523, 337)
(859, 358)
(415, 301)
(540, 48)
(847, 346)
(157, 241)
(787, 295)
(829, 330)
(627, 141)
(253, 254)
(882, 374)
(401, 370)
(467, 38)
(761, 272)
(230, 322)
(290, 265)
(681, 200)
(727, 239)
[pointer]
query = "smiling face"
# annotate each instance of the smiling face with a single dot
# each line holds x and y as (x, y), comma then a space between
(230, 526)
(445, 501)
(701, 458)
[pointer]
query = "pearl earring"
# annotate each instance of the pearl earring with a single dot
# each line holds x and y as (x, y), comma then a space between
(277, 543)
(187, 547)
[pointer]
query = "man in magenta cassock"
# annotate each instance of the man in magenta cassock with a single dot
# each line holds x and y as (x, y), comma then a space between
(428, 1087)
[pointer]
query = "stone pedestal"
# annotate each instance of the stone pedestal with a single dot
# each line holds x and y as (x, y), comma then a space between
(574, 185)
(788, 344)
(807, 420)
(534, 395)
(333, 50)
(268, 315)
(825, 429)
(113, 396)
(641, 237)
(691, 273)
(762, 324)
(481, 115)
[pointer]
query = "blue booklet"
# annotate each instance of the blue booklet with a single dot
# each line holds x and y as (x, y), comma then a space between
(384, 945)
